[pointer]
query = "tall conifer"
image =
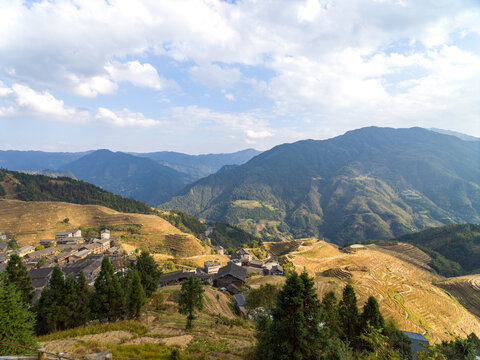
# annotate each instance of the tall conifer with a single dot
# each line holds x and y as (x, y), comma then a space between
(16, 321)
(348, 312)
(136, 298)
(83, 300)
(17, 274)
(108, 298)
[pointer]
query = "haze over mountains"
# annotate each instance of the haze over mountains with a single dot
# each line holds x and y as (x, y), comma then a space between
(151, 177)
(371, 183)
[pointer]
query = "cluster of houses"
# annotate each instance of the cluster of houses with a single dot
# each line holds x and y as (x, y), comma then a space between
(71, 252)
(231, 277)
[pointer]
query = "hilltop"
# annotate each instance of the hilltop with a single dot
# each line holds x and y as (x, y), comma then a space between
(29, 222)
(26, 187)
(371, 183)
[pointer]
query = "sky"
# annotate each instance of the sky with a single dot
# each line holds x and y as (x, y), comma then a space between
(210, 76)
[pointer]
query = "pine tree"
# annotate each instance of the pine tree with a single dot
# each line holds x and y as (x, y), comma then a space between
(17, 274)
(83, 300)
(191, 299)
(314, 317)
(51, 306)
(332, 318)
(371, 315)
(348, 312)
(70, 302)
(16, 321)
(149, 272)
(287, 334)
(108, 298)
(136, 297)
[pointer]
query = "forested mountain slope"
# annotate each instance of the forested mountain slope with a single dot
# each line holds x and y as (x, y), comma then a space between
(128, 175)
(371, 183)
(17, 185)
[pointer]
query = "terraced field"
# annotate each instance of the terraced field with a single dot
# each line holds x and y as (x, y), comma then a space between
(32, 221)
(283, 247)
(405, 291)
(405, 252)
(466, 289)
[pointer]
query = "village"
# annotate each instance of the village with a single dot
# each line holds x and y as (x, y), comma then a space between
(68, 250)
(74, 254)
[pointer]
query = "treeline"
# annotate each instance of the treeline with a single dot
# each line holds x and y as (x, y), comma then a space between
(457, 245)
(183, 221)
(232, 237)
(67, 302)
(44, 188)
(296, 325)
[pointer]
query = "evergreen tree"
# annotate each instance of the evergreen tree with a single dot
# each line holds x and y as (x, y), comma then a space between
(16, 321)
(191, 299)
(149, 272)
(332, 318)
(314, 317)
(287, 334)
(136, 297)
(70, 303)
(51, 305)
(108, 298)
(348, 312)
(371, 315)
(17, 274)
(83, 300)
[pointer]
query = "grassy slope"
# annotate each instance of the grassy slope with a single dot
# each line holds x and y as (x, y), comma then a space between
(32, 221)
(389, 278)
(155, 337)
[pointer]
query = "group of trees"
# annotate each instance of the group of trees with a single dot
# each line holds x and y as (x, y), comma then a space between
(67, 302)
(303, 327)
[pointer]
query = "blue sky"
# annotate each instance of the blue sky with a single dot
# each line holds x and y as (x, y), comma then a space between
(215, 76)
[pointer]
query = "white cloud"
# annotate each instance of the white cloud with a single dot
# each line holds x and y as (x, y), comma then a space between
(136, 73)
(341, 64)
(258, 134)
(124, 118)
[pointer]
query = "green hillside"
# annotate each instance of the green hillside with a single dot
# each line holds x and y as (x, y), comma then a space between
(457, 243)
(21, 186)
(371, 183)
(128, 175)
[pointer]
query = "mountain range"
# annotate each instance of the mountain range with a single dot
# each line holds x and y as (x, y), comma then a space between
(150, 177)
(371, 183)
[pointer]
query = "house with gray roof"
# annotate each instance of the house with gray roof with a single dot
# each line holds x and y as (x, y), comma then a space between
(230, 274)
(419, 342)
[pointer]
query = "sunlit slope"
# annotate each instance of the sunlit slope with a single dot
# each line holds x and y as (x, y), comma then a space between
(32, 221)
(371, 183)
(405, 291)
(466, 290)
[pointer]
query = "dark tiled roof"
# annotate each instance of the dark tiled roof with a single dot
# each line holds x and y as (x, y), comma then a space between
(41, 273)
(233, 289)
(240, 299)
(3, 246)
(39, 283)
(415, 336)
(175, 276)
(234, 270)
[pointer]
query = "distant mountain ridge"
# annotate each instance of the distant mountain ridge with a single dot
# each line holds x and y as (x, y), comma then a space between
(198, 166)
(151, 177)
(370, 183)
(128, 175)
